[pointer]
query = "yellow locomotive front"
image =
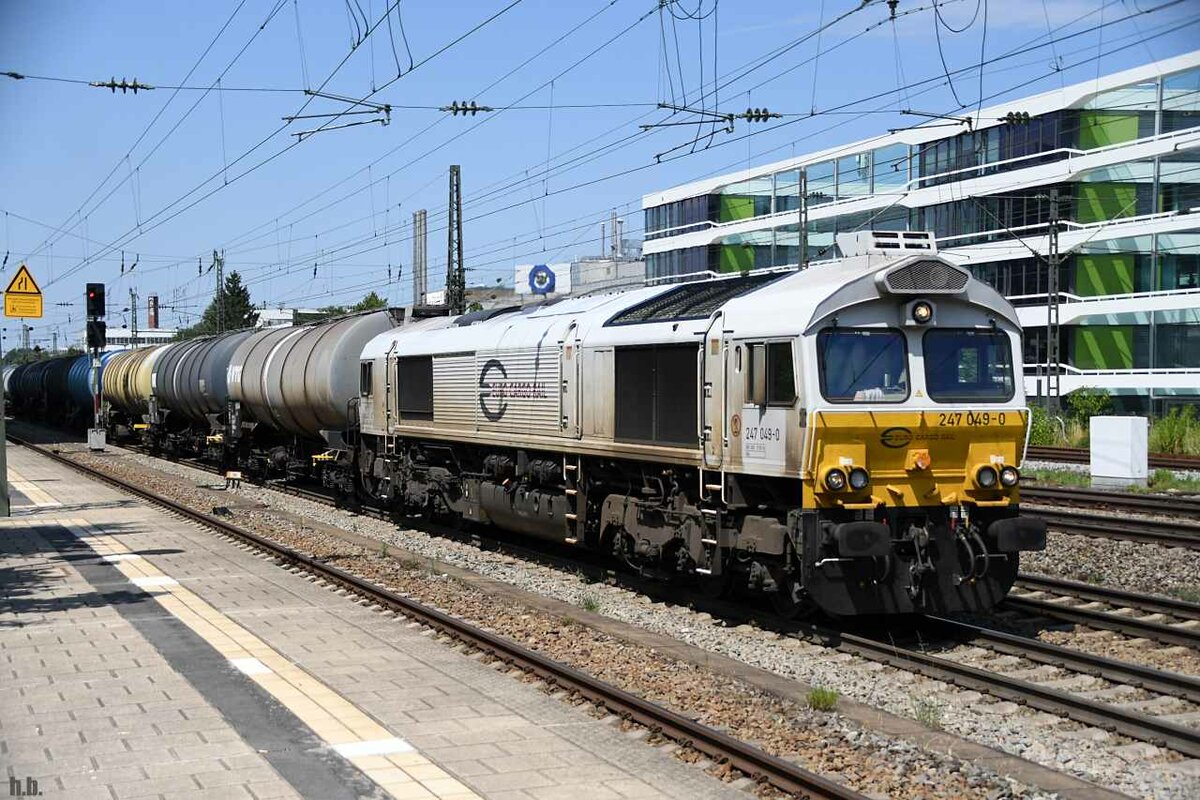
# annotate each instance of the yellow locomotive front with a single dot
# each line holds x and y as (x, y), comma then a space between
(912, 447)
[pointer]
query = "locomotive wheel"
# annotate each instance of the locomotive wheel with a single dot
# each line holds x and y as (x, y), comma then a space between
(790, 602)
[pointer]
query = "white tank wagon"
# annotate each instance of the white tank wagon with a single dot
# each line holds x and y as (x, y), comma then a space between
(301, 381)
(845, 437)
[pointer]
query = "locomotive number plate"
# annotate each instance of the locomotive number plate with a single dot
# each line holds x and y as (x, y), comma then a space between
(971, 418)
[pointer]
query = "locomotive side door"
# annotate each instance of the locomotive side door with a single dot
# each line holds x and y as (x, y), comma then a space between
(712, 391)
(570, 359)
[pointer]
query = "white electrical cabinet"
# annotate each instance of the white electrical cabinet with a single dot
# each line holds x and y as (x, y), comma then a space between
(1120, 454)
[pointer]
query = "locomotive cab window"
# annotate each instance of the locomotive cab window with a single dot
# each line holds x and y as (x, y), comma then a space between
(364, 378)
(771, 376)
(968, 364)
(863, 365)
(414, 387)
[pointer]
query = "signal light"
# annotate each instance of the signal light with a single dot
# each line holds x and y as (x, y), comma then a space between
(835, 480)
(1010, 477)
(95, 299)
(986, 477)
(922, 312)
(97, 334)
(859, 478)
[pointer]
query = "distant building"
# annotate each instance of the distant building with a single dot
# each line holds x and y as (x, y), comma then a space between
(286, 317)
(122, 338)
(1122, 154)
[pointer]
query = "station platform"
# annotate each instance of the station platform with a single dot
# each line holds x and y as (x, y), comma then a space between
(142, 656)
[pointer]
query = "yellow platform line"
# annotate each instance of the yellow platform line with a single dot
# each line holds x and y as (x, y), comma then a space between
(38, 496)
(392, 763)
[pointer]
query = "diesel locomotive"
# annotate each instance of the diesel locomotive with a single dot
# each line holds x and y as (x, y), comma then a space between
(845, 438)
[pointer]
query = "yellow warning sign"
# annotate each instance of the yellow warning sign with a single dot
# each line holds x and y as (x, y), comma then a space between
(23, 297)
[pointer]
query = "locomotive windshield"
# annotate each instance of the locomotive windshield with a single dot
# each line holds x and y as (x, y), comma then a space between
(966, 364)
(863, 366)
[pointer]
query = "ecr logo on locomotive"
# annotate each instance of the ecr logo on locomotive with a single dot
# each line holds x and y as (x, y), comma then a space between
(896, 437)
(503, 389)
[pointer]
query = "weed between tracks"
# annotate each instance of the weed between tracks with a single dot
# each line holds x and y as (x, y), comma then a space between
(822, 699)
(928, 712)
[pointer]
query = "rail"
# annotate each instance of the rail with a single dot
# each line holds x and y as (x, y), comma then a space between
(1079, 455)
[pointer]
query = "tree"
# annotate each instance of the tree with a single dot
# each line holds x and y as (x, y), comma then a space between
(232, 305)
(371, 302)
(23, 355)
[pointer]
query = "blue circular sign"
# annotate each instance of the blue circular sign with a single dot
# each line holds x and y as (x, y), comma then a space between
(541, 279)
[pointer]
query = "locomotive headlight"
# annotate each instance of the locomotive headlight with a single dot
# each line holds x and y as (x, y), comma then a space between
(986, 477)
(835, 480)
(922, 312)
(859, 478)
(1010, 477)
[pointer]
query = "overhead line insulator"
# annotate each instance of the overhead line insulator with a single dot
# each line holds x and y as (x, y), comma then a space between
(464, 108)
(125, 86)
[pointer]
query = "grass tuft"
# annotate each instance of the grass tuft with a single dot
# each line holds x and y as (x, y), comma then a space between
(822, 699)
(928, 712)
(590, 601)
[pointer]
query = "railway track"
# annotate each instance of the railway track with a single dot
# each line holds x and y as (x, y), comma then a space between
(714, 744)
(1079, 455)
(1168, 533)
(1186, 506)
(1112, 717)
(1050, 597)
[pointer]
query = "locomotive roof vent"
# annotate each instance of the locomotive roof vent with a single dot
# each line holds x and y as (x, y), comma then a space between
(893, 243)
(924, 276)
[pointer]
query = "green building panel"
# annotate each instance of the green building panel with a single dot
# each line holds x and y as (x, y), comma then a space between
(734, 207)
(1104, 273)
(736, 258)
(1104, 200)
(1101, 128)
(1103, 347)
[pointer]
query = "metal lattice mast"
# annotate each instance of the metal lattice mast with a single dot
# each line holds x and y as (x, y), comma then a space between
(219, 263)
(456, 276)
(1052, 303)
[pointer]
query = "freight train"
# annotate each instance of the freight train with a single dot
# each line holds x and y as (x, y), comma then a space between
(845, 438)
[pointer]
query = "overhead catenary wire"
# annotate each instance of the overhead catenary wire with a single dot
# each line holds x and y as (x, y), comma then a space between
(127, 237)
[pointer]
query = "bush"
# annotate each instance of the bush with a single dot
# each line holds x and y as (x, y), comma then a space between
(1083, 404)
(1045, 431)
(1178, 433)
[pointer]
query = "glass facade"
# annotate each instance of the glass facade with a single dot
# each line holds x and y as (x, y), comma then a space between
(1164, 260)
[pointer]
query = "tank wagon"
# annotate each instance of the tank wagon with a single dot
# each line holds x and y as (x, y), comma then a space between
(273, 402)
(846, 437)
(293, 396)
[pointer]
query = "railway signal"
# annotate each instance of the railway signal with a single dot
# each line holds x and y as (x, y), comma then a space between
(97, 339)
(95, 299)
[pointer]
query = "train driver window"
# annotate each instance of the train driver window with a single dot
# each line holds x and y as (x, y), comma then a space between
(963, 364)
(364, 378)
(863, 366)
(771, 377)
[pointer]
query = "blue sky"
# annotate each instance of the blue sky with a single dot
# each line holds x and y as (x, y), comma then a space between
(222, 170)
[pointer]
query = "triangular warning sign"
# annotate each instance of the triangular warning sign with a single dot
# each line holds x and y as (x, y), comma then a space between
(23, 283)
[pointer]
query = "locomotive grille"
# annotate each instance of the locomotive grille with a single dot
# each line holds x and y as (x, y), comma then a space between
(927, 276)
